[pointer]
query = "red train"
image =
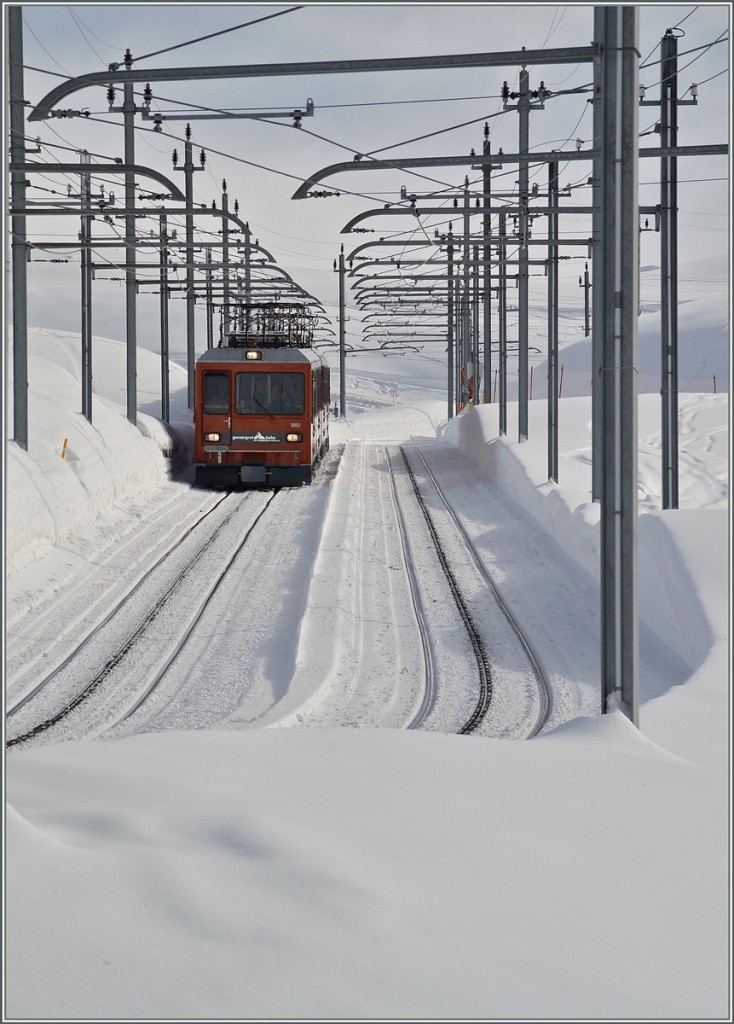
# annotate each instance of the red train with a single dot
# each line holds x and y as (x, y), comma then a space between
(261, 404)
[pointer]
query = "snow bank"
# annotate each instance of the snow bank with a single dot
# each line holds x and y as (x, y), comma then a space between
(347, 874)
(74, 470)
(682, 552)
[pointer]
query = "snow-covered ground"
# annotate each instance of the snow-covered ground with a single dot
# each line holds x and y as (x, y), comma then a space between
(207, 867)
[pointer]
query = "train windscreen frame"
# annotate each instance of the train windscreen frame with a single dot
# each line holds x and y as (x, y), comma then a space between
(275, 392)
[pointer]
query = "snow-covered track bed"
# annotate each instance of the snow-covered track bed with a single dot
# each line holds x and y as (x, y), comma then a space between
(90, 578)
(135, 641)
(359, 659)
(513, 695)
(384, 641)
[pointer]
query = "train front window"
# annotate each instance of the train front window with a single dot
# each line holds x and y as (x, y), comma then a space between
(273, 393)
(216, 392)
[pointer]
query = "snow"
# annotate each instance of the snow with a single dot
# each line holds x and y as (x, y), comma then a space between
(236, 864)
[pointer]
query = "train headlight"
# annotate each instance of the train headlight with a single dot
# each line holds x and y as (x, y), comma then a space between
(253, 354)
(211, 437)
(294, 437)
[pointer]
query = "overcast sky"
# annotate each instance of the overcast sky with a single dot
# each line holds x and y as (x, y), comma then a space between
(390, 115)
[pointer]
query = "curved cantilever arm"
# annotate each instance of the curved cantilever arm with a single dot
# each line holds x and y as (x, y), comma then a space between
(119, 73)
(147, 172)
(493, 159)
(420, 244)
(397, 165)
(395, 210)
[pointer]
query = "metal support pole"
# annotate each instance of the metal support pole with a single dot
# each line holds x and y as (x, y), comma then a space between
(502, 314)
(669, 267)
(584, 283)
(475, 363)
(618, 277)
(458, 321)
(165, 388)
(128, 109)
(19, 253)
(209, 302)
(342, 339)
(603, 91)
(248, 267)
(450, 319)
(465, 300)
(553, 323)
(85, 235)
(487, 275)
(190, 291)
(523, 109)
(225, 248)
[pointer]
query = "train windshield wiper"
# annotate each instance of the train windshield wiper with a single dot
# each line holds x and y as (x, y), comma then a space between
(256, 401)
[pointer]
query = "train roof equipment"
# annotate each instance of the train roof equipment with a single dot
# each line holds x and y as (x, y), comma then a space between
(260, 325)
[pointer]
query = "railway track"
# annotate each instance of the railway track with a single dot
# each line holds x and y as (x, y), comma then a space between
(130, 639)
(419, 612)
(537, 705)
(193, 621)
(107, 568)
(475, 639)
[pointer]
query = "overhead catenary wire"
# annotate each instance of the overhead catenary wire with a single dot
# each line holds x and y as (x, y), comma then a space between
(77, 22)
(694, 49)
(221, 32)
(47, 52)
(78, 18)
(346, 192)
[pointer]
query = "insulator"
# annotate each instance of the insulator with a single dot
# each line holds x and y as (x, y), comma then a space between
(202, 158)
(111, 94)
(128, 58)
(147, 95)
(174, 157)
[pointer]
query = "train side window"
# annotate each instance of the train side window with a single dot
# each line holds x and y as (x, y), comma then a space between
(293, 392)
(216, 392)
(326, 381)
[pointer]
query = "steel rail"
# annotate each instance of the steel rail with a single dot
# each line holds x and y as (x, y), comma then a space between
(193, 622)
(129, 643)
(429, 673)
(544, 687)
(483, 663)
